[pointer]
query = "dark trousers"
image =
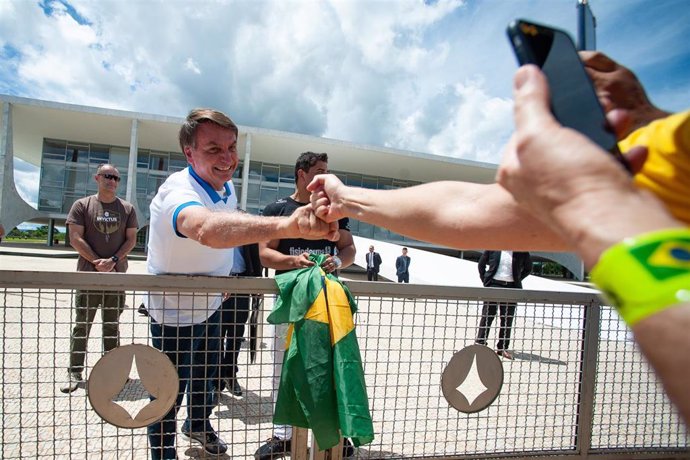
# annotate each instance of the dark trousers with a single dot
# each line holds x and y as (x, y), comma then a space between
(195, 351)
(112, 303)
(404, 277)
(372, 275)
(507, 311)
(234, 315)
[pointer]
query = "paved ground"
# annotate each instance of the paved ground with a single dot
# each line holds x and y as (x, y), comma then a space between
(405, 345)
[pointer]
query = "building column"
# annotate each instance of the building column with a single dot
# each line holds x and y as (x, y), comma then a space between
(131, 193)
(51, 231)
(245, 171)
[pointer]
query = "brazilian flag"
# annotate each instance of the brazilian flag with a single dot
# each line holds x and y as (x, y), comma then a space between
(322, 381)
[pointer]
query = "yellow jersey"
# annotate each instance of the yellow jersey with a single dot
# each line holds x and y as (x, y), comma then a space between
(666, 173)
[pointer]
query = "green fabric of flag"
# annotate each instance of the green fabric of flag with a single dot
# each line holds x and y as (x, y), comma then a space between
(322, 383)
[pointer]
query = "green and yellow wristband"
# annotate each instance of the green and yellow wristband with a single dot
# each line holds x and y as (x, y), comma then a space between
(646, 274)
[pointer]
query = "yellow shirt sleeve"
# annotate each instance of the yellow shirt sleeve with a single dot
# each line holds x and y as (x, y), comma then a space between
(666, 173)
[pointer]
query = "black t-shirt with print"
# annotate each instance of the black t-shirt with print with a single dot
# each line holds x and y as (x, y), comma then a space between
(296, 246)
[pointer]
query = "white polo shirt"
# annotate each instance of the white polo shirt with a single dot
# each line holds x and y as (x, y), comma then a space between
(170, 252)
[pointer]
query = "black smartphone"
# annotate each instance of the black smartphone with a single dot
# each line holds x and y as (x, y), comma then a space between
(574, 101)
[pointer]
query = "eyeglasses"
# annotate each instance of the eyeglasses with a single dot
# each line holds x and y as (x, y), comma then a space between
(111, 177)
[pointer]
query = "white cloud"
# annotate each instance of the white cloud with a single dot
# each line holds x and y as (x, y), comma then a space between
(463, 121)
(192, 66)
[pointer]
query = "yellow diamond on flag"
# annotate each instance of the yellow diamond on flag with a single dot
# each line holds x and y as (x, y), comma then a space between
(671, 254)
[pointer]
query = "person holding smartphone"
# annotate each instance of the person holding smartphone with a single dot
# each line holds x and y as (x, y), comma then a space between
(638, 252)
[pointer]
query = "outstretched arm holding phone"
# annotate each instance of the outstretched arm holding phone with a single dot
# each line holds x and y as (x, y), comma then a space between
(594, 211)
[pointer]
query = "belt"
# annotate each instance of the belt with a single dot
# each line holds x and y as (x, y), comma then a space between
(503, 283)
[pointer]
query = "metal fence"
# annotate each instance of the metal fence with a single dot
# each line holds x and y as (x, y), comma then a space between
(571, 392)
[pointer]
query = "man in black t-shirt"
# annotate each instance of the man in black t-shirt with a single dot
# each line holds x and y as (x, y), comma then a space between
(293, 253)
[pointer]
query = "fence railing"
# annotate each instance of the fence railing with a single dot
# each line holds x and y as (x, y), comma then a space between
(577, 388)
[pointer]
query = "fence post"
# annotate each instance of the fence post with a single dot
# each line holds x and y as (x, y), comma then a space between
(299, 443)
(588, 374)
(334, 453)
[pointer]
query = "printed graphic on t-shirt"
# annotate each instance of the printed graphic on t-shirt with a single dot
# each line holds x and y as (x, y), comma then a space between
(107, 222)
(296, 251)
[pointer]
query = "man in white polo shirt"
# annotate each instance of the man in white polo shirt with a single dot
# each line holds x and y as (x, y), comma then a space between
(193, 230)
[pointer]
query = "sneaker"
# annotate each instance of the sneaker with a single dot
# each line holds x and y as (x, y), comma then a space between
(73, 381)
(233, 387)
(274, 448)
(210, 441)
(348, 448)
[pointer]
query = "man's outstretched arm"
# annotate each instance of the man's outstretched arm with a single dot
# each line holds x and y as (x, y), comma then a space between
(455, 214)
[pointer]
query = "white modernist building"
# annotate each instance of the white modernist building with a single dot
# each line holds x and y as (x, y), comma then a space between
(68, 142)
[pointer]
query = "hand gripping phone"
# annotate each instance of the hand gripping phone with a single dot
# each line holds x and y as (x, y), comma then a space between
(574, 101)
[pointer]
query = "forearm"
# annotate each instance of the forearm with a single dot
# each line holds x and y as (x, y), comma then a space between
(592, 224)
(226, 230)
(270, 258)
(83, 248)
(455, 214)
(126, 247)
(347, 256)
(663, 339)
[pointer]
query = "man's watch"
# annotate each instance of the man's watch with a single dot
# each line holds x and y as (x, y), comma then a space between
(115, 258)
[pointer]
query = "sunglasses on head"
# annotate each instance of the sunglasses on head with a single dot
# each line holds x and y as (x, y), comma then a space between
(111, 177)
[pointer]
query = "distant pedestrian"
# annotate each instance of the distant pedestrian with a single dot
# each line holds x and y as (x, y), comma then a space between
(103, 230)
(503, 269)
(402, 267)
(2, 232)
(373, 264)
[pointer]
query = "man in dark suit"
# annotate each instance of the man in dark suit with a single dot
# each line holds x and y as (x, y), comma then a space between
(402, 267)
(504, 269)
(234, 315)
(373, 264)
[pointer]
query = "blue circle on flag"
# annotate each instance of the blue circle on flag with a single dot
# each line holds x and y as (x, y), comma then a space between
(680, 254)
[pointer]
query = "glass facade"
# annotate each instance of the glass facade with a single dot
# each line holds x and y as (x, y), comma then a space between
(68, 167)
(67, 170)
(153, 167)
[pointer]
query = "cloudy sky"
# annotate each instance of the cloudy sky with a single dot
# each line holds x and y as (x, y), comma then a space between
(428, 76)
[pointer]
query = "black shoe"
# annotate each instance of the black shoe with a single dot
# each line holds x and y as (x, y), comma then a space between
(348, 448)
(142, 310)
(211, 443)
(234, 387)
(274, 448)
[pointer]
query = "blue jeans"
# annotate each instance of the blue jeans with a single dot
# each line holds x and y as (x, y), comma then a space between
(195, 352)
